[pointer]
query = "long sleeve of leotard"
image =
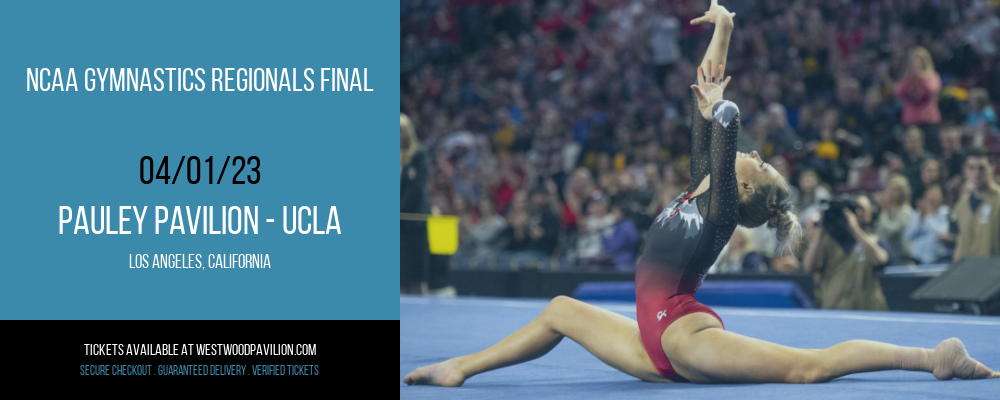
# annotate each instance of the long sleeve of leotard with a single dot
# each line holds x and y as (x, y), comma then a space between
(723, 207)
(701, 140)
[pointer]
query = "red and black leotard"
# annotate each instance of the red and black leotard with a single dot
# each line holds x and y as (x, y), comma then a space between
(688, 235)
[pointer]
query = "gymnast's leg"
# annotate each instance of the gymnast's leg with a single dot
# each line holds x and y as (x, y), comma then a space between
(613, 338)
(705, 354)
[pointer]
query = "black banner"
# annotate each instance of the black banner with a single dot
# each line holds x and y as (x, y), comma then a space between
(180, 351)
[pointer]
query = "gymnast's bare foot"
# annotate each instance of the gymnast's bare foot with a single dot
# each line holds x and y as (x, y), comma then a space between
(445, 373)
(951, 360)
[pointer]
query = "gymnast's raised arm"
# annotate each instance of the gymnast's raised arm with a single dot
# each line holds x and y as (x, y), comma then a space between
(706, 93)
(719, 46)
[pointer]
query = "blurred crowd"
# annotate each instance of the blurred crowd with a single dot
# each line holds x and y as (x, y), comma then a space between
(558, 129)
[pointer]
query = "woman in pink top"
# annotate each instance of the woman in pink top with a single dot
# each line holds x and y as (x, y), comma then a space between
(918, 90)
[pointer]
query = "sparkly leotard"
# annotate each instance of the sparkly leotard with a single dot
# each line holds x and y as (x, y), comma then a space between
(688, 235)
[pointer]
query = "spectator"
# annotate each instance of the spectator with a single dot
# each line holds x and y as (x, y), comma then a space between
(983, 24)
(918, 91)
(877, 122)
(670, 187)
(781, 135)
(927, 230)
(483, 232)
(597, 224)
(621, 243)
(850, 105)
(811, 194)
(844, 268)
(633, 201)
(931, 174)
(981, 119)
(977, 211)
(664, 32)
(896, 213)
(519, 201)
(517, 242)
(649, 179)
(830, 145)
(786, 264)
(505, 132)
(951, 151)
(740, 255)
(765, 242)
(543, 224)
(414, 252)
(576, 192)
(914, 156)
(510, 179)
(780, 165)
(546, 148)
(952, 158)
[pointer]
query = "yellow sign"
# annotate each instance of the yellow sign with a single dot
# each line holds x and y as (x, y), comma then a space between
(442, 233)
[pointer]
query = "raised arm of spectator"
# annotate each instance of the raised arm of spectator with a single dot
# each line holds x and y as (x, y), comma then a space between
(960, 239)
(849, 138)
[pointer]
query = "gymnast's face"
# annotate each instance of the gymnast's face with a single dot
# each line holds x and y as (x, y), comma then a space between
(752, 172)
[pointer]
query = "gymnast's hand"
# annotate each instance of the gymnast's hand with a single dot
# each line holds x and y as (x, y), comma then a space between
(717, 15)
(709, 89)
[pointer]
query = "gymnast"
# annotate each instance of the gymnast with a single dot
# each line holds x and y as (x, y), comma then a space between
(676, 338)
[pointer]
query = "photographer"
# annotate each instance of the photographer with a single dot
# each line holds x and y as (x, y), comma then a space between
(843, 257)
(975, 212)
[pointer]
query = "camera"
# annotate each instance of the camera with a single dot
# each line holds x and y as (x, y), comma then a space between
(834, 221)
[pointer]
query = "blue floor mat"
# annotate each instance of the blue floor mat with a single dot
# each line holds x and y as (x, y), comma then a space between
(433, 330)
